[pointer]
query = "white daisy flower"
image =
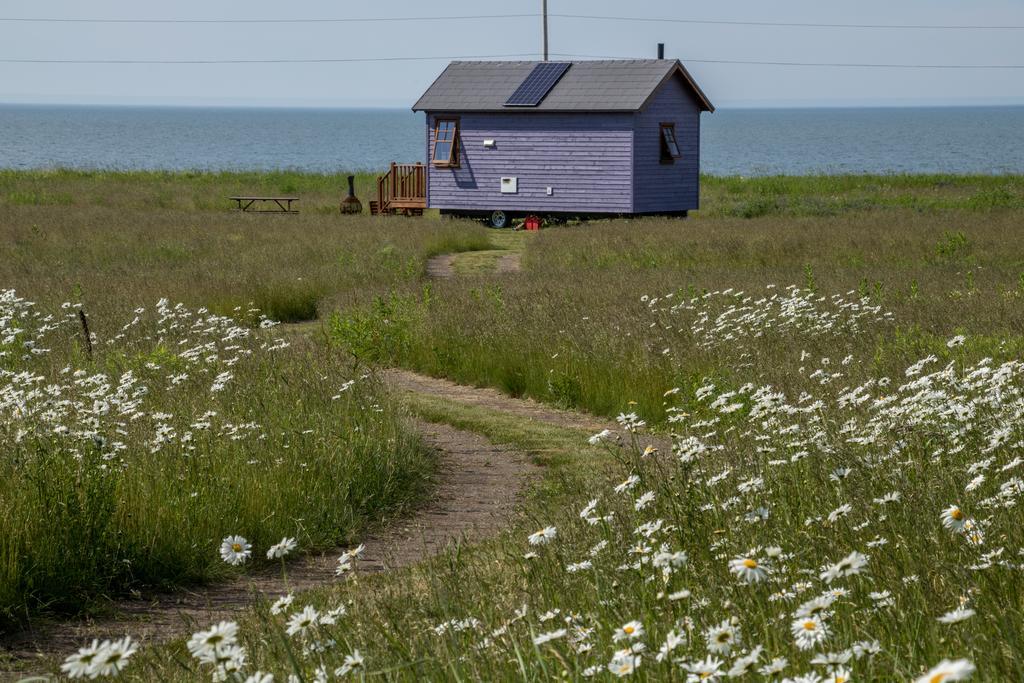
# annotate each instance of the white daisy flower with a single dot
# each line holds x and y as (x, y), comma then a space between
(946, 670)
(81, 664)
(630, 481)
(672, 641)
(745, 664)
(260, 677)
(957, 616)
(300, 623)
(203, 645)
(748, 569)
(113, 657)
(774, 667)
(282, 604)
(953, 518)
(707, 670)
(643, 501)
(235, 550)
(631, 630)
(809, 631)
(543, 536)
(848, 566)
(549, 636)
(352, 662)
(281, 549)
(623, 663)
(723, 637)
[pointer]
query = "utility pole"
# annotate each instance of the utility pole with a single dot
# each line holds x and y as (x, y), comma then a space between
(544, 12)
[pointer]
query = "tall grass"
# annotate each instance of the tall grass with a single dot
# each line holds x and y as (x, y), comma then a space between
(756, 197)
(175, 190)
(793, 330)
(129, 504)
(112, 258)
(573, 329)
(880, 509)
(125, 467)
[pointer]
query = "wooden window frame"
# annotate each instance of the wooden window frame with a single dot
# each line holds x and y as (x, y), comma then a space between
(453, 155)
(666, 156)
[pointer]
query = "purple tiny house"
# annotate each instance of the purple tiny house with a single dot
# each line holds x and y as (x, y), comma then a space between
(563, 138)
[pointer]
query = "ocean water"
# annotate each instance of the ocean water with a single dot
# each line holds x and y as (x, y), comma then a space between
(734, 142)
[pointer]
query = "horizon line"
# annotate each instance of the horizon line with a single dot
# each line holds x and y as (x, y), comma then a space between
(726, 105)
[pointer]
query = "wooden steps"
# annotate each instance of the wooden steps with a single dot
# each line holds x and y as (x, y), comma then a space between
(402, 190)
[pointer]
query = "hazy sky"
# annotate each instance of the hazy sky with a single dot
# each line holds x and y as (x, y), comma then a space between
(399, 83)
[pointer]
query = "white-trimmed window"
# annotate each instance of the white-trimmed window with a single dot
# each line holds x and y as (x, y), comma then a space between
(446, 142)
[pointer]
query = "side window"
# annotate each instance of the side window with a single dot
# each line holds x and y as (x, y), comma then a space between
(446, 143)
(669, 144)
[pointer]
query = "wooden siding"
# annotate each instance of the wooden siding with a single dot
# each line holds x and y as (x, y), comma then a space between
(662, 187)
(585, 158)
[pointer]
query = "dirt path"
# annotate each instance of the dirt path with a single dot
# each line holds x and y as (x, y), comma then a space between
(478, 485)
(500, 261)
(442, 266)
(485, 397)
(477, 489)
(509, 263)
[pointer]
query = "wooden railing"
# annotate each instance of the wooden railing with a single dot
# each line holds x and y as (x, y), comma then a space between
(404, 186)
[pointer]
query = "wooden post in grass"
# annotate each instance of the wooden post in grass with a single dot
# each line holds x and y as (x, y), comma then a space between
(85, 332)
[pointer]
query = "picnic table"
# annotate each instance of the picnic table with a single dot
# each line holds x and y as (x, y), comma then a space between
(283, 204)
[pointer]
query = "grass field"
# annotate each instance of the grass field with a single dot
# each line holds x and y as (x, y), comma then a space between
(830, 365)
(579, 330)
(125, 468)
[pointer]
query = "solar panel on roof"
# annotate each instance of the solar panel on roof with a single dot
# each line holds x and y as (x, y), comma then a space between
(538, 84)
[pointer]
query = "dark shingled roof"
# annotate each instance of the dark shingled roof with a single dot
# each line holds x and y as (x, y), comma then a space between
(614, 85)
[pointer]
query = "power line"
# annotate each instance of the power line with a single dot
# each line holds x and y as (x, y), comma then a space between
(344, 20)
(850, 65)
(259, 61)
(343, 60)
(788, 24)
(594, 17)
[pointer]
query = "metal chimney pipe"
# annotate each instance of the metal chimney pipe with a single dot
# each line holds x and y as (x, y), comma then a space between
(661, 50)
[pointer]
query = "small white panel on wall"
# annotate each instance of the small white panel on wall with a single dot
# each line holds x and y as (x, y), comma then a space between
(488, 143)
(509, 185)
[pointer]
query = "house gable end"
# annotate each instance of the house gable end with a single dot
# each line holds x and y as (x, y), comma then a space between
(673, 185)
(680, 72)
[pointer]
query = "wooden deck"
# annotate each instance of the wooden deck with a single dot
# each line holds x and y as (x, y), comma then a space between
(403, 189)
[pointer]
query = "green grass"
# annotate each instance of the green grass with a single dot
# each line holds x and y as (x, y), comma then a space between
(473, 614)
(836, 195)
(180, 191)
(612, 316)
(572, 329)
(289, 302)
(485, 262)
(177, 433)
(80, 522)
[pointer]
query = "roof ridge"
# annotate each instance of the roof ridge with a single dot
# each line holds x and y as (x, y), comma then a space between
(565, 61)
(599, 85)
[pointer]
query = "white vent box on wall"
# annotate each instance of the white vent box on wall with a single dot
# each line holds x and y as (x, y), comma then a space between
(509, 185)
(489, 144)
